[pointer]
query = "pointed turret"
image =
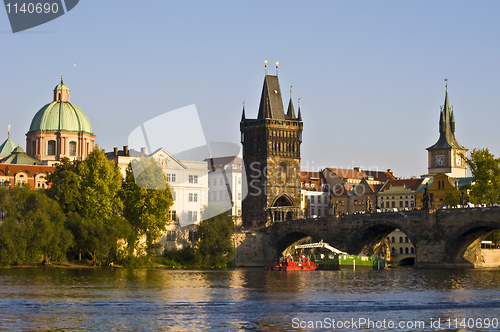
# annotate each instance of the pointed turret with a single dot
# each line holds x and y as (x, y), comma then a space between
(291, 112)
(446, 128)
(271, 103)
(300, 115)
(243, 113)
(8, 146)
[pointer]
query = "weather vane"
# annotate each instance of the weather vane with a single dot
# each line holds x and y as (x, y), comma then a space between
(446, 80)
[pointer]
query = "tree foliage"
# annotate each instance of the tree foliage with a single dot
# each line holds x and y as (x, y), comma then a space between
(215, 246)
(146, 209)
(33, 228)
(452, 198)
(95, 238)
(100, 185)
(89, 188)
(485, 169)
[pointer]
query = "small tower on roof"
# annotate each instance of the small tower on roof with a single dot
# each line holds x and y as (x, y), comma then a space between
(445, 156)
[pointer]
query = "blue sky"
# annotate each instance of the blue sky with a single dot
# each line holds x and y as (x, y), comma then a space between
(369, 74)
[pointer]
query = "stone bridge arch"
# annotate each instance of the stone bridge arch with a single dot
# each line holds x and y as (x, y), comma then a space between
(463, 244)
(365, 239)
(287, 236)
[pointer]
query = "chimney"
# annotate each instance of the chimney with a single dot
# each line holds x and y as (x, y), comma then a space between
(115, 151)
(143, 150)
(125, 149)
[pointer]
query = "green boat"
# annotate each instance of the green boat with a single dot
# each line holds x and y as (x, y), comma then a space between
(339, 260)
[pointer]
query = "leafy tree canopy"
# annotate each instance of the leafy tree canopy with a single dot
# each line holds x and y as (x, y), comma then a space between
(33, 228)
(215, 246)
(486, 171)
(144, 207)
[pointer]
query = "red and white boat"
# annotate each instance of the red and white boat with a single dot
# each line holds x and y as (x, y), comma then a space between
(293, 263)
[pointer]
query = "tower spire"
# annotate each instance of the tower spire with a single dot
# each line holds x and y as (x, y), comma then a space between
(277, 63)
(8, 130)
(265, 61)
(243, 113)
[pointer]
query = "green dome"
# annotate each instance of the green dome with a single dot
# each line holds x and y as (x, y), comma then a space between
(60, 116)
(61, 86)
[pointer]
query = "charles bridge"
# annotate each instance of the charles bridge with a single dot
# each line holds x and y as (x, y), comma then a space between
(447, 238)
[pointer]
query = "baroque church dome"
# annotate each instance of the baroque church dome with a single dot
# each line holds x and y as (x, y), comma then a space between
(60, 115)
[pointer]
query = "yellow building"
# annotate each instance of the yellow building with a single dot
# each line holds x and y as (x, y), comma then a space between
(402, 250)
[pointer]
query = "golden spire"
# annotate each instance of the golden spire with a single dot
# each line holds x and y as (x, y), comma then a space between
(8, 130)
(277, 63)
(265, 61)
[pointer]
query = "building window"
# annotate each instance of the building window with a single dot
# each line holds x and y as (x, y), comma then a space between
(412, 250)
(406, 250)
(172, 215)
(406, 239)
(170, 235)
(192, 236)
(195, 197)
(393, 251)
(400, 204)
(393, 239)
(401, 250)
(400, 239)
(239, 196)
(393, 204)
(33, 148)
(72, 148)
(51, 148)
(387, 204)
(193, 179)
(312, 199)
(193, 215)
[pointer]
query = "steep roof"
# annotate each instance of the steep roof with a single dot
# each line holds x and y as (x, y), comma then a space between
(7, 147)
(271, 103)
(446, 128)
(346, 173)
(19, 157)
(379, 176)
(411, 184)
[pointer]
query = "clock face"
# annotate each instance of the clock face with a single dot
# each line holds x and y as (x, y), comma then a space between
(440, 160)
(458, 160)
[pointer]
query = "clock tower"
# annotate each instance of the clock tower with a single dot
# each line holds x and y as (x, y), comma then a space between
(446, 155)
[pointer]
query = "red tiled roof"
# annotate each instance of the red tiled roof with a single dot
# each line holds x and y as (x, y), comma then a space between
(345, 173)
(412, 184)
(28, 169)
(380, 176)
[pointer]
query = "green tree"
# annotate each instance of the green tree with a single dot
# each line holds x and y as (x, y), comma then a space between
(99, 188)
(146, 209)
(98, 240)
(494, 237)
(33, 229)
(65, 185)
(485, 169)
(215, 246)
(90, 188)
(452, 198)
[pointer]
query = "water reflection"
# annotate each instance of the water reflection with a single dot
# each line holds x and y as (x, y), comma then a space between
(236, 300)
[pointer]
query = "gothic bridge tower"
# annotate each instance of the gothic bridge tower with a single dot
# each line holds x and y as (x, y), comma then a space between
(271, 153)
(446, 155)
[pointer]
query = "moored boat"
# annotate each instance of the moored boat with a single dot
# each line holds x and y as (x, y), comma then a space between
(339, 260)
(293, 263)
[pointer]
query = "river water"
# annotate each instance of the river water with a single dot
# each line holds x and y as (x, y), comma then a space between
(249, 300)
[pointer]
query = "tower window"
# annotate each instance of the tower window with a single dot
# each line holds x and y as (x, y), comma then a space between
(51, 148)
(72, 148)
